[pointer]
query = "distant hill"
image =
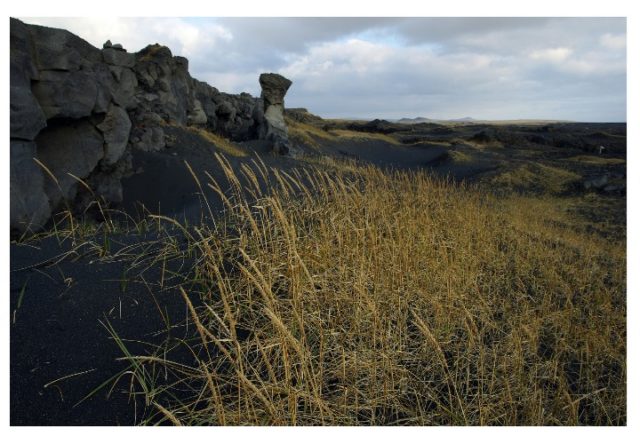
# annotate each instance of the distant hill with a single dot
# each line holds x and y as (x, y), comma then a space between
(471, 120)
(409, 121)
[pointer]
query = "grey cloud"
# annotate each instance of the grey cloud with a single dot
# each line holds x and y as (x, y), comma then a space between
(566, 68)
(445, 29)
(296, 34)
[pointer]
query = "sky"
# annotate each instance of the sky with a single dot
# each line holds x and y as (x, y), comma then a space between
(442, 68)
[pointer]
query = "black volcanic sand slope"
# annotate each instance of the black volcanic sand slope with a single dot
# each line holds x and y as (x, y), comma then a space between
(161, 186)
(165, 185)
(68, 297)
(60, 327)
(385, 155)
(67, 301)
(66, 305)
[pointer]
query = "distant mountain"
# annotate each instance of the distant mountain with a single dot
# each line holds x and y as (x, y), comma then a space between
(409, 121)
(471, 120)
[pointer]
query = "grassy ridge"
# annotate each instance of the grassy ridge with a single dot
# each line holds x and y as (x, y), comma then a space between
(372, 297)
(310, 135)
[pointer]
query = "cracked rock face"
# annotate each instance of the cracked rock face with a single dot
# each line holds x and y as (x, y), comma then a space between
(68, 150)
(83, 110)
(64, 112)
(115, 128)
(27, 118)
(64, 94)
(29, 203)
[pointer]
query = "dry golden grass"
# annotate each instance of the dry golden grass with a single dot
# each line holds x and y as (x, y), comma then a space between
(306, 134)
(225, 145)
(394, 298)
(309, 134)
(596, 160)
(534, 176)
(334, 164)
(460, 156)
(363, 136)
(483, 146)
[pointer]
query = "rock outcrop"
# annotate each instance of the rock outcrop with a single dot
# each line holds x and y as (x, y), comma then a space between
(274, 88)
(80, 111)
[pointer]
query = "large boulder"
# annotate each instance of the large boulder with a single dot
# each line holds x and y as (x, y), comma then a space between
(274, 88)
(29, 205)
(225, 111)
(196, 115)
(118, 57)
(27, 118)
(22, 63)
(206, 95)
(123, 89)
(164, 84)
(66, 150)
(70, 95)
(115, 128)
(60, 50)
(149, 139)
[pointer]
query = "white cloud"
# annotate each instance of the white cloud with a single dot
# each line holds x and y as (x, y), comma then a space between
(614, 41)
(183, 38)
(190, 40)
(552, 55)
(353, 55)
(95, 30)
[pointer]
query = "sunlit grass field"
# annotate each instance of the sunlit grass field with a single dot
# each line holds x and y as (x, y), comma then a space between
(366, 297)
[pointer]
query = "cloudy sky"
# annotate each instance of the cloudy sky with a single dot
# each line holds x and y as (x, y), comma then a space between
(486, 68)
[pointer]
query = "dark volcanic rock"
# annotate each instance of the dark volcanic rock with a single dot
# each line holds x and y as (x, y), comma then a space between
(60, 50)
(123, 84)
(68, 149)
(115, 128)
(22, 61)
(29, 207)
(64, 94)
(302, 115)
(87, 108)
(497, 135)
(27, 118)
(483, 137)
(118, 57)
(377, 126)
(274, 88)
